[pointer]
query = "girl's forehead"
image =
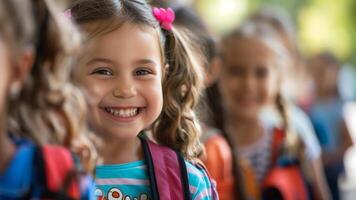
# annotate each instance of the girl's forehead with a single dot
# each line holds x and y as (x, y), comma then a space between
(124, 32)
(244, 46)
(127, 41)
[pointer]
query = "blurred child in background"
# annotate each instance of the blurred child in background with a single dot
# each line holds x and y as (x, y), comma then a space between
(252, 72)
(326, 113)
(39, 106)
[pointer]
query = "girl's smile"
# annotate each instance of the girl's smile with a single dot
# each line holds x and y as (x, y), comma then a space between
(123, 114)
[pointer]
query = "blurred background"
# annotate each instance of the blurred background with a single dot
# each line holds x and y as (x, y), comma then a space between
(320, 26)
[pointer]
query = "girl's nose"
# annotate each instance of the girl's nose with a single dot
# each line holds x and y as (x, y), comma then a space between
(249, 81)
(124, 91)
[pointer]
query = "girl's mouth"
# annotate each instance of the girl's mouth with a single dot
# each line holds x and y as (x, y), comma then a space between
(123, 112)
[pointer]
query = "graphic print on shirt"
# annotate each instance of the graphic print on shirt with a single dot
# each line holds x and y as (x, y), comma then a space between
(116, 194)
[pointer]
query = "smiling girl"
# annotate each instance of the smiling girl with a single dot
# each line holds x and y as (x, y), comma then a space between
(139, 75)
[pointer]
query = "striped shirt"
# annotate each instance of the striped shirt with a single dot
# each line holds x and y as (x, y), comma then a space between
(130, 181)
(259, 154)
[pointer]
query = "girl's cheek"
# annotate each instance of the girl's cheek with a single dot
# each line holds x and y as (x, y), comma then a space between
(92, 93)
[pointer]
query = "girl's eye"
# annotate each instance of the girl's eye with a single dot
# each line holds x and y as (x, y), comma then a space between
(261, 72)
(142, 72)
(106, 72)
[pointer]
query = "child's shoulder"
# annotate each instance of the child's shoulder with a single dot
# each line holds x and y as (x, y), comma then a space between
(21, 167)
(196, 173)
(199, 182)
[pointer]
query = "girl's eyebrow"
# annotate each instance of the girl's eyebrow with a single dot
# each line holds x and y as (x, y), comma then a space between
(105, 60)
(145, 61)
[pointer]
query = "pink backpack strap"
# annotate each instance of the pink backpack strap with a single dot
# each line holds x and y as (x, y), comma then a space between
(167, 171)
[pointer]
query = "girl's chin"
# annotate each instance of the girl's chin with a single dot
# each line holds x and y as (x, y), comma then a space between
(120, 135)
(246, 114)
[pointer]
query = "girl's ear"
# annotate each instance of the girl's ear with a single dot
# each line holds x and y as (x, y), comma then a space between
(21, 70)
(212, 74)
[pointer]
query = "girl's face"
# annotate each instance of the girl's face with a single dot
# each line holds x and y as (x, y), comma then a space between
(325, 75)
(121, 73)
(4, 75)
(248, 78)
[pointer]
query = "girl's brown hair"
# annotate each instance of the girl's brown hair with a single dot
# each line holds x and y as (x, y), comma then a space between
(177, 126)
(48, 108)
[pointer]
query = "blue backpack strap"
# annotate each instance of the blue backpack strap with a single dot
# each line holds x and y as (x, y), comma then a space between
(167, 172)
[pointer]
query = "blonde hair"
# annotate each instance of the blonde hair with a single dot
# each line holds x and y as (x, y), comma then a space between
(177, 126)
(48, 109)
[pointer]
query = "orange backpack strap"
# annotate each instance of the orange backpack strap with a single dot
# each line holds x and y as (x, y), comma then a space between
(219, 158)
(219, 163)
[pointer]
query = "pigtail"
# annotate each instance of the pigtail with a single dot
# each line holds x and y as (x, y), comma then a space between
(178, 126)
(292, 146)
(49, 108)
(281, 107)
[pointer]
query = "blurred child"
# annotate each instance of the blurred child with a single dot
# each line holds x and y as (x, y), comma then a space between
(139, 74)
(39, 106)
(219, 158)
(253, 60)
(326, 113)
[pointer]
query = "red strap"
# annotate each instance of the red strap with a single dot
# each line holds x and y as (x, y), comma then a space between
(278, 138)
(167, 172)
(58, 164)
(288, 181)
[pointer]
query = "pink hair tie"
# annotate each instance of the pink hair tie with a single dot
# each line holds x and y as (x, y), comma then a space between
(67, 13)
(165, 17)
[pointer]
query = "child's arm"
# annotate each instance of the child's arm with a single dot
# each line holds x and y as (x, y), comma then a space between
(346, 140)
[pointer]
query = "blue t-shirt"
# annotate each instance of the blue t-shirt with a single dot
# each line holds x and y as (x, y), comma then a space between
(327, 118)
(17, 179)
(130, 182)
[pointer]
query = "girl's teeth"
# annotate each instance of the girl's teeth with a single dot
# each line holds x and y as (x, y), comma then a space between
(123, 112)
